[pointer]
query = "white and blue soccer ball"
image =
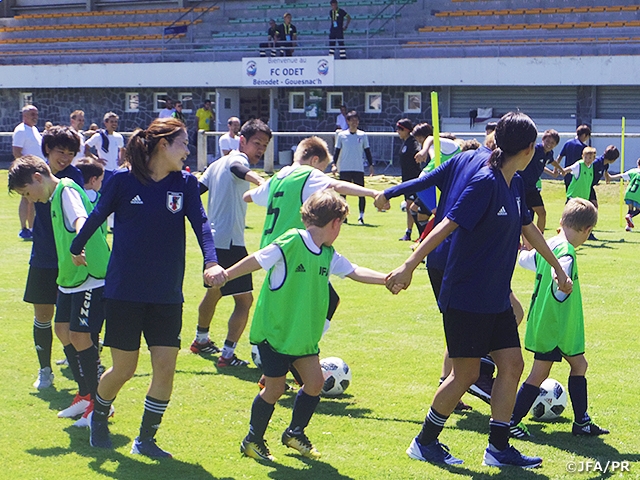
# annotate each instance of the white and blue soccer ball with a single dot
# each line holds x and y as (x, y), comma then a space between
(255, 356)
(403, 205)
(551, 402)
(337, 376)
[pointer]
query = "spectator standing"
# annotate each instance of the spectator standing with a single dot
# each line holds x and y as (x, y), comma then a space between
(341, 119)
(177, 114)
(409, 167)
(287, 36)
(167, 111)
(27, 141)
(230, 140)
(204, 121)
(337, 29)
(272, 38)
(109, 145)
(76, 121)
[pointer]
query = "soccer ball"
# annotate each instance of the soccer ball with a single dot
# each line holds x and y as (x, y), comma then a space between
(255, 356)
(403, 205)
(337, 376)
(551, 402)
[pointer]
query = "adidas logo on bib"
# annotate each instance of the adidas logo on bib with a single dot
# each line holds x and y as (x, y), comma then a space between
(136, 200)
(300, 268)
(502, 212)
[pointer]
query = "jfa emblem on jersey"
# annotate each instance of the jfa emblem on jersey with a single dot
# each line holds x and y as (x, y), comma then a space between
(174, 201)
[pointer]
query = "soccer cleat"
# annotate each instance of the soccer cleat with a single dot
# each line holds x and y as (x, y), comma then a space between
(461, 407)
(232, 361)
(64, 362)
(588, 429)
(434, 452)
(148, 448)
(361, 221)
(77, 407)
(26, 235)
(257, 449)
(99, 436)
(45, 378)
(628, 228)
(405, 238)
(629, 220)
(519, 431)
(206, 348)
(482, 388)
(301, 443)
(509, 457)
(85, 420)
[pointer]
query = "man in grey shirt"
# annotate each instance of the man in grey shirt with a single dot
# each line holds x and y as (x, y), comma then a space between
(352, 146)
(226, 180)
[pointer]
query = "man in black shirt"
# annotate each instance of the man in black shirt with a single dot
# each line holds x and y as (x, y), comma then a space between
(408, 166)
(272, 38)
(287, 35)
(336, 31)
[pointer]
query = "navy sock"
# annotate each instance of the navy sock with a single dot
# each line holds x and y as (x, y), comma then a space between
(74, 365)
(524, 401)
(88, 359)
(432, 426)
(499, 434)
(101, 408)
(43, 339)
(261, 412)
(303, 408)
(153, 411)
(578, 394)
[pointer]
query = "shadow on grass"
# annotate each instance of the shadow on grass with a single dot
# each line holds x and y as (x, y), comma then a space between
(314, 469)
(57, 399)
(507, 473)
(110, 463)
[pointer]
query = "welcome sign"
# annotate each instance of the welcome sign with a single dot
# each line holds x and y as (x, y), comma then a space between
(288, 72)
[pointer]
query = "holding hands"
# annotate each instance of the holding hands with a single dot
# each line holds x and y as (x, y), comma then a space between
(214, 275)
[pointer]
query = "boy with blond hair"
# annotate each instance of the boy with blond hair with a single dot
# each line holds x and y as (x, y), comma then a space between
(290, 316)
(555, 327)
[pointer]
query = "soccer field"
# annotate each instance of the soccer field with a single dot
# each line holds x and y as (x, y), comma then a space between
(393, 344)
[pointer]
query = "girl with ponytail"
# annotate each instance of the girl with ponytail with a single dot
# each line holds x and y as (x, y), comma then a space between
(151, 200)
(485, 223)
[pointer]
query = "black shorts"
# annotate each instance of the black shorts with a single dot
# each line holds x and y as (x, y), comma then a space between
(422, 208)
(592, 195)
(275, 364)
(353, 177)
(533, 198)
(83, 311)
(554, 355)
(42, 286)
(474, 335)
(160, 323)
(227, 258)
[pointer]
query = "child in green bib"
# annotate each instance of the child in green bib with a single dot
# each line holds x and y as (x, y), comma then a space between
(290, 316)
(632, 194)
(555, 326)
(581, 175)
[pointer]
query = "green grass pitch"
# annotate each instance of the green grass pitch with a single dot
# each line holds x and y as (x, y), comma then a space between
(393, 344)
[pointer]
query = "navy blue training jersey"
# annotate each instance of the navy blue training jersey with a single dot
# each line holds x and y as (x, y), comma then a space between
(451, 178)
(533, 172)
(490, 215)
(148, 257)
(43, 250)
(599, 167)
(572, 151)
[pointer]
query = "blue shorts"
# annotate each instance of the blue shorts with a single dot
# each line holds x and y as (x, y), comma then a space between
(276, 364)
(428, 198)
(83, 311)
(632, 203)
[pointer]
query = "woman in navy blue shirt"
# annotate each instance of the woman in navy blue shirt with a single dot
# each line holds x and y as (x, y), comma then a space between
(478, 318)
(144, 279)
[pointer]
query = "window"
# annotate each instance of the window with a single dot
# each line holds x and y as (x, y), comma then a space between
(413, 102)
(159, 100)
(187, 101)
(132, 102)
(334, 101)
(296, 102)
(26, 98)
(373, 102)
